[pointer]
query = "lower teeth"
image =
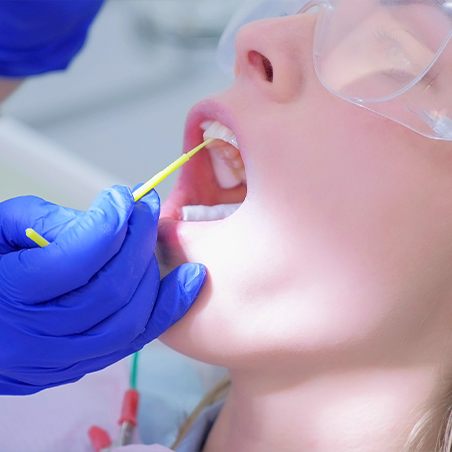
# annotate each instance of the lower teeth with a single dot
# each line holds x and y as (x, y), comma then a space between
(208, 213)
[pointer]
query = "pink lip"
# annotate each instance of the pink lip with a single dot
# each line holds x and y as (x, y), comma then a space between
(209, 109)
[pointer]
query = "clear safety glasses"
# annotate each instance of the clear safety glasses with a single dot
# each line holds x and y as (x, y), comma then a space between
(393, 57)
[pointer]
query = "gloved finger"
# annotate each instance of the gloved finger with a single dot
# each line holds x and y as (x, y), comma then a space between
(180, 290)
(42, 35)
(76, 255)
(11, 386)
(23, 383)
(177, 293)
(113, 287)
(24, 212)
(78, 370)
(14, 386)
(114, 333)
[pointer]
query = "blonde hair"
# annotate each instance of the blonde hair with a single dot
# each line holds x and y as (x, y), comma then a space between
(217, 393)
(426, 430)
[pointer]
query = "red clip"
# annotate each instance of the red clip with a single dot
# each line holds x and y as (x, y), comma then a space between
(129, 410)
(100, 439)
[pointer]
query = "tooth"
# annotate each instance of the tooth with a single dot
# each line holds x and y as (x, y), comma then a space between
(208, 213)
(226, 161)
(236, 164)
(206, 125)
(231, 154)
(217, 131)
(227, 176)
(241, 173)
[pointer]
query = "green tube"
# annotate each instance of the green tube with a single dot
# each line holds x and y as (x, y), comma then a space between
(134, 371)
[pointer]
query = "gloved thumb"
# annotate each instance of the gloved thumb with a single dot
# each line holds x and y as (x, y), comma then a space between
(178, 292)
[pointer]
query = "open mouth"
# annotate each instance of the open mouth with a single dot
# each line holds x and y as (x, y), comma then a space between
(213, 185)
(208, 201)
(227, 168)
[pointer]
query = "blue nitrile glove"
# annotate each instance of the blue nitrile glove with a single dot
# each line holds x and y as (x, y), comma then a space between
(89, 299)
(38, 36)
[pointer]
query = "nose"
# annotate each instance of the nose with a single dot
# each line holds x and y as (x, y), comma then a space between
(276, 55)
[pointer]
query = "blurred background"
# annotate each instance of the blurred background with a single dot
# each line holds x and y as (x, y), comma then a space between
(117, 116)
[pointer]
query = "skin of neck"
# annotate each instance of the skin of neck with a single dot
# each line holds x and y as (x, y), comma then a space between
(364, 409)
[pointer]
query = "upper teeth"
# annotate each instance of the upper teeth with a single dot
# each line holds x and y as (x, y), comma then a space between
(217, 131)
(225, 156)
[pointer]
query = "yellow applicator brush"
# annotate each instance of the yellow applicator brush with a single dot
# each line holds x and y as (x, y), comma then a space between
(170, 169)
(139, 192)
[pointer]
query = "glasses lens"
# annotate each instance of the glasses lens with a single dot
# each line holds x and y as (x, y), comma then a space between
(393, 57)
(375, 49)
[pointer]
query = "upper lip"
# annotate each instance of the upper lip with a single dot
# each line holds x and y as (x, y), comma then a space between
(207, 110)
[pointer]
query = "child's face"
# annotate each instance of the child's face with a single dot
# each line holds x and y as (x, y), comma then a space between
(344, 242)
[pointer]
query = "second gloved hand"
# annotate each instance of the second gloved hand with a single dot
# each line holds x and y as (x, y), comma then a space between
(42, 35)
(89, 299)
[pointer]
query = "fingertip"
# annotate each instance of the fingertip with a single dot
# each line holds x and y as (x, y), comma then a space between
(122, 196)
(194, 277)
(152, 195)
(152, 200)
(191, 279)
(177, 294)
(117, 200)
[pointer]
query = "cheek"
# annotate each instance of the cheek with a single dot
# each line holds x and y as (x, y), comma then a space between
(247, 274)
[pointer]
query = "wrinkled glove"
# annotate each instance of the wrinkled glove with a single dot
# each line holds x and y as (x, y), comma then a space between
(38, 36)
(90, 298)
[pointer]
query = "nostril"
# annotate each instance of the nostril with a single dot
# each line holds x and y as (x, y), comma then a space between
(268, 67)
(262, 64)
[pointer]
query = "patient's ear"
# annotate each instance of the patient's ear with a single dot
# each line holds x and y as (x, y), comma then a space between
(7, 86)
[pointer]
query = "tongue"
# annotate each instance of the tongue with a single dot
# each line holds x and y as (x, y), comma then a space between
(208, 213)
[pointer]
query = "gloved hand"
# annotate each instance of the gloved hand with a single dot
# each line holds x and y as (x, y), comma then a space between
(42, 35)
(89, 299)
